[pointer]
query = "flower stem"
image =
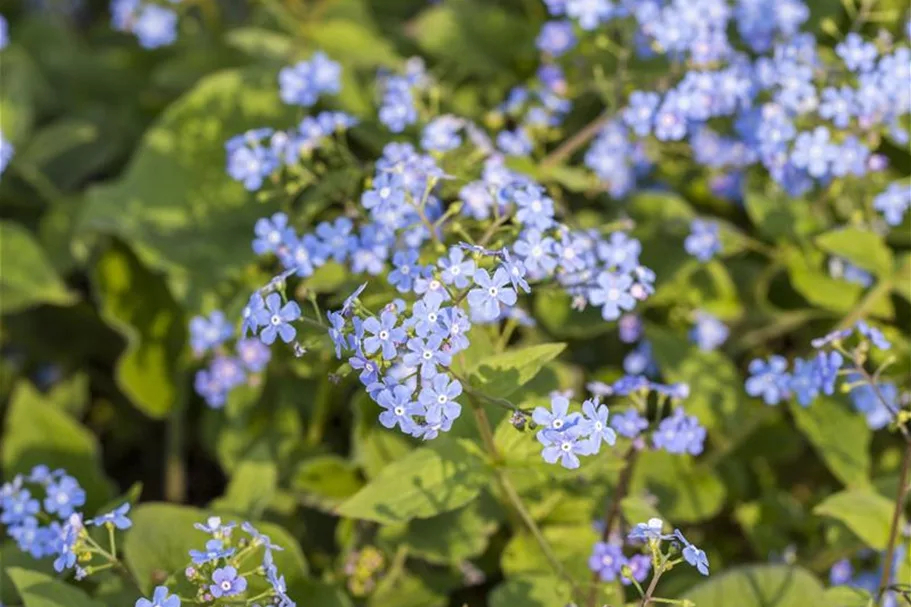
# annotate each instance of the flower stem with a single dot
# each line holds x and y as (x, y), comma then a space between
(654, 584)
(896, 519)
(175, 481)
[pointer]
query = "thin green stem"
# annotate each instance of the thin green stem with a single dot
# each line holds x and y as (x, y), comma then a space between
(175, 480)
(659, 571)
(893, 529)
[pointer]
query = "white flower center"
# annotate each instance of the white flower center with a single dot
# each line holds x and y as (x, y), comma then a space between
(434, 285)
(432, 317)
(275, 320)
(566, 446)
(536, 206)
(442, 399)
(558, 423)
(274, 237)
(455, 270)
(599, 426)
(427, 355)
(226, 585)
(537, 251)
(492, 291)
(385, 192)
(384, 335)
(405, 270)
(613, 294)
(399, 410)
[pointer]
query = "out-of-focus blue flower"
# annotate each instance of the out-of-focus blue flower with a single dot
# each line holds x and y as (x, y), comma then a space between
(709, 332)
(556, 37)
(680, 433)
(607, 561)
(629, 423)
(769, 379)
(893, 203)
(704, 241)
(304, 82)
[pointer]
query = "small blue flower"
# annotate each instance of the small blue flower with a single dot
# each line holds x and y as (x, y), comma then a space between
(709, 332)
(336, 237)
(6, 153)
(804, 381)
(640, 112)
(607, 561)
(868, 402)
(442, 134)
(67, 539)
(619, 252)
(536, 252)
(385, 335)
(439, 399)
(589, 13)
(399, 406)
(558, 418)
(427, 355)
(155, 26)
(456, 270)
(18, 507)
(565, 446)
(215, 549)
(649, 531)
(455, 326)
(206, 333)
(276, 319)
(337, 332)
(597, 427)
(250, 313)
(160, 598)
(272, 234)
(612, 294)
(226, 582)
(679, 433)
(826, 369)
(829, 338)
(304, 82)
(841, 572)
(406, 269)
(858, 54)
(253, 354)
(693, 555)
(875, 336)
(629, 423)
(535, 209)
(703, 242)
(215, 527)
(117, 517)
(369, 370)
(769, 379)
(893, 203)
(426, 315)
(814, 152)
(64, 496)
(485, 300)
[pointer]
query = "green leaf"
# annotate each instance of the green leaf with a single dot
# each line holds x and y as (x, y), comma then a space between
(404, 590)
(40, 590)
(686, 492)
(39, 432)
(452, 537)
(500, 375)
(863, 248)
(847, 596)
(251, 488)
(56, 139)
(571, 544)
(325, 481)
(531, 591)
(354, 44)
(31, 280)
(11, 559)
(553, 308)
(716, 387)
(260, 42)
(866, 513)
(136, 302)
(431, 480)
(779, 216)
(163, 535)
(820, 289)
(840, 436)
(17, 102)
(759, 586)
(175, 205)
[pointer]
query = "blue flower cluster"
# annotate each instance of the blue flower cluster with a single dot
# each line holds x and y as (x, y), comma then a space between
(222, 569)
(772, 381)
(303, 83)
(255, 155)
(805, 116)
(843, 573)
(154, 24)
(397, 107)
(226, 371)
(53, 525)
(609, 562)
(565, 436)
(652, 534)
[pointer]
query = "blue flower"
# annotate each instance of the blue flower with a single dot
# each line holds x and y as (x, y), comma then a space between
(640, 360)
(693, 555)
(369, 370)
(272, 234)
(893, 203)
(649, 531)
(558, 418)
(215, 549)
(769, 379)
(455, 325)
(612, 294)
(215, 527)
(406, 269)
(276, 317)
(456, 270)
(387, 191)
(64, 496)
(629, 423)
(226, 582)
(117, 517)
(249, 161)
(641, 111)
(6, 153)
(679, 433)
(397, 109)
(534, 208)
(826, 369)
(18, 507)
(160, 598)
(703, 242)
(253, 354)
(66, 542)
(485, 300)
(841, 572)
(804, 381)
(155, 26)
(399, 406)
(303, 255)
(385, 334)
(858, 55)
(639, 565)
(427, 355)
(589, 13)
(426, 315)
(598, 430)
(304, 82)
(868, 402)
(337, 332)
(206, 333)
(439, 399)
(250, 313)
(709, 332)
(619, 252)
(875, 336)
(536, 251)
(607, 561)
(227, 372)
(4, 35)
(442, 134)
(566, 446)
(556, 38)
(336, 237)
(814, 152)
(207, 386)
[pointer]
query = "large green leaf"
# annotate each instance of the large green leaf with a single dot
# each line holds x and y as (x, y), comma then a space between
(759, 586)
(27, 279)
(847, 596)
(820, 289)
(779, 216)
(40, 432)
(11, 559)
(866, 513)
(252, 486)
(500, 375)
(40, 590)
(431, 480)
(325, 481)
(686, 492)
(841, 437)
(863, 248)
(571, 544)
(533, 590)
(162, 536)
(175, 204)
(137, 303)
